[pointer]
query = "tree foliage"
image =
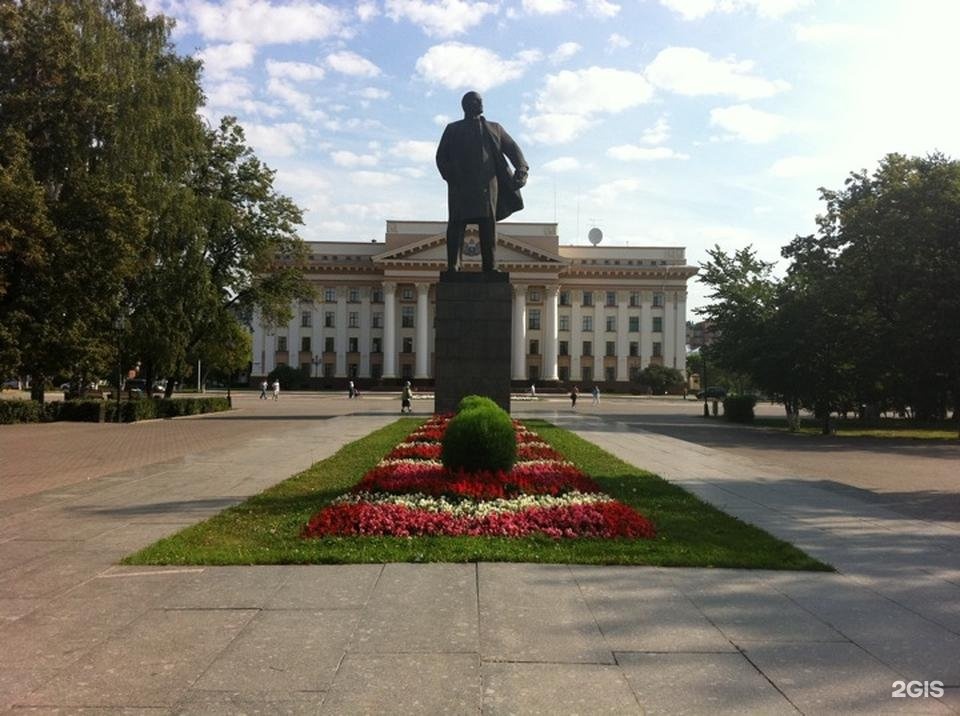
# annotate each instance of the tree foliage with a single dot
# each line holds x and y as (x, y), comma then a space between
(868, 313)
(128, 227)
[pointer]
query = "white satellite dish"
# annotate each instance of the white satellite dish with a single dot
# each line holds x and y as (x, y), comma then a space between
(595, 236)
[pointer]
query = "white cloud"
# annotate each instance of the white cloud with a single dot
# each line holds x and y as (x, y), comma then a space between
(442, 18)
(692, 72)
(546, 7)
(564, 52)
(220, 60)
(749, 124)
(296, 71)
(633, 153)
(350, 63)
(372, 93)
(696, 9)
(796, 166)
(278, 140)
(570, 101)
(441, 120)
(616, 41)
(415, 151)
(835, 32)
(236, 96)
(602, 8)
(378, 179)
(611, 193)
(658, 133)
(367, 10)
(262, 22)
(301, 181)
(350, 160)
(301, 102)
(458, 66)
(562, 164)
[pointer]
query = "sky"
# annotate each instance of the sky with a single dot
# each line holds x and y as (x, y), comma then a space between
(687, 123)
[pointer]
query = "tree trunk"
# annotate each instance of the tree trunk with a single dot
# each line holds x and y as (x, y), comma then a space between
(37, 391)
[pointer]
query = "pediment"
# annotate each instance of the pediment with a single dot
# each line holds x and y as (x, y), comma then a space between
(432, 249)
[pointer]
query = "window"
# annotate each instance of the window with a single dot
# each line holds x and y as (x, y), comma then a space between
(377, 295)
(563, 323)
(587, 348)
(353, 370)
(587, 298)
(354, 295)
(611, 324)
(305, 368)
(353, 319)
(587, 323)
(658, 324)
(406, 316)
(564, 298)
(330, 295)
(610, 373)
(407, 345)
(634, 299)
(305, 344)
(658, 299)
(406, 371)
(564, 348)
(611, 349)
(353, 344)
(376, 345)
(563, 373)
(376, 370)
(611, 298)
(635, 374)
(376, 320)
(282, 343)
(657, 349)
(328, 345)
(533, 373)
(634, 324)
(534, 348)
(534, 296)
(329, 319)
(586, 374)
(634, 349)
(533, 319)
(328, 370)
(306, 319)
(406, 293)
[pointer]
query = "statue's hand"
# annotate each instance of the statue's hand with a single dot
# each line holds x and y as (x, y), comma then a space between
(519, 178)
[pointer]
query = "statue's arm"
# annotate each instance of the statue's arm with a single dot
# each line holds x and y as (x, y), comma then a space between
(444, 154)
(513, 153)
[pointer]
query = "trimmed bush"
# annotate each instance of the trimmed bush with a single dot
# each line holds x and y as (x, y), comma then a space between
(739, 408)
(469, 402)
(19, 411)
(481, 438)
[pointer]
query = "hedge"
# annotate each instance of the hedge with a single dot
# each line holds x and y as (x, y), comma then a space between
(739, 408)
(93, 411)
(480, 436)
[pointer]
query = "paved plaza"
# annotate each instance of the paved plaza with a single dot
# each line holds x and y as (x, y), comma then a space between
(79, 634)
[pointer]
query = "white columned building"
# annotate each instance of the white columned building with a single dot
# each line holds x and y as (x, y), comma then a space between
(566, 297)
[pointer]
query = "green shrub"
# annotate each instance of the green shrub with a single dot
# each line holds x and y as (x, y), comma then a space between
(739, 408)
(290, 378)
(468, 402)
(481, 438)
(80, 411)
(19, 411)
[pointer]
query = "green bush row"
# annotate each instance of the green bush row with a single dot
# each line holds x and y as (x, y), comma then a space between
(739, 408)
(479, 437)
(93, 411)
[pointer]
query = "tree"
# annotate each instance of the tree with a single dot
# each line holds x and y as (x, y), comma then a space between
(659, 379)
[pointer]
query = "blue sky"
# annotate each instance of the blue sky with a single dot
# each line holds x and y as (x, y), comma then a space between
(662, 122)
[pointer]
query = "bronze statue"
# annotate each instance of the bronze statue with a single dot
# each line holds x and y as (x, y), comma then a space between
(481, 187)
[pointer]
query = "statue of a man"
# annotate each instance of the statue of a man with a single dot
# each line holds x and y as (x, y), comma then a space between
(481, 187)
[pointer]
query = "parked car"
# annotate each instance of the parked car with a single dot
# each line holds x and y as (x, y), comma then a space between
(15, 384)
(136, 386)
(713, 392)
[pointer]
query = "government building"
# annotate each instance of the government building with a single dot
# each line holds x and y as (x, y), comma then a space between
(581, 314)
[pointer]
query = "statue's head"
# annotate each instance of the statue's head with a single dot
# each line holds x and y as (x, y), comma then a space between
(472, 104)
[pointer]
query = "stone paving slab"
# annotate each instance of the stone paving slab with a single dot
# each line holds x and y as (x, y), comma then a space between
(510, 688)
(344, 586)
(224, 703)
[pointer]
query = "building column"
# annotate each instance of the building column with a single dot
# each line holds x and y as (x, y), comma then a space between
(422, 335)
(365, 333)
(576, 335)
(599, 335)
(681, 331)
(389, 329)
(550, 334)
(257, 345)
(646, 328)
(623, 337)
(340, 370)
(669, 330)
(519, 331)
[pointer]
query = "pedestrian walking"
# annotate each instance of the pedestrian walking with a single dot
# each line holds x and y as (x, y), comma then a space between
(533, 390)
(573, 396)
(351, 390)
(276, 389)
(596, 395)
(263, 389)
(405, 395)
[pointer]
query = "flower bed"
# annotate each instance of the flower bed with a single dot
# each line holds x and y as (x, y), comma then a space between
(410, 493)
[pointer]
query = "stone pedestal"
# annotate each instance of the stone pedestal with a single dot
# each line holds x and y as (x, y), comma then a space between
(473, 324)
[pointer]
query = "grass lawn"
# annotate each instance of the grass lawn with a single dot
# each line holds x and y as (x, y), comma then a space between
(265, 529)
(886, 428)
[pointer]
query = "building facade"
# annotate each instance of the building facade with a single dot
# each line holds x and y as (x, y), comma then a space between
(581, 314)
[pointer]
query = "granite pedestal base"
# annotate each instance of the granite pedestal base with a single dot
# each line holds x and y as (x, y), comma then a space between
(473, 329)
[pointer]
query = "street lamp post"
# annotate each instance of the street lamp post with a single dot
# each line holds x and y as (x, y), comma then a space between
(703, 384)
(316, 365)
(119, 326)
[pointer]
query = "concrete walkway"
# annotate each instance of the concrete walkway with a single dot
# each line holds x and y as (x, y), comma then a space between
(80, 634)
